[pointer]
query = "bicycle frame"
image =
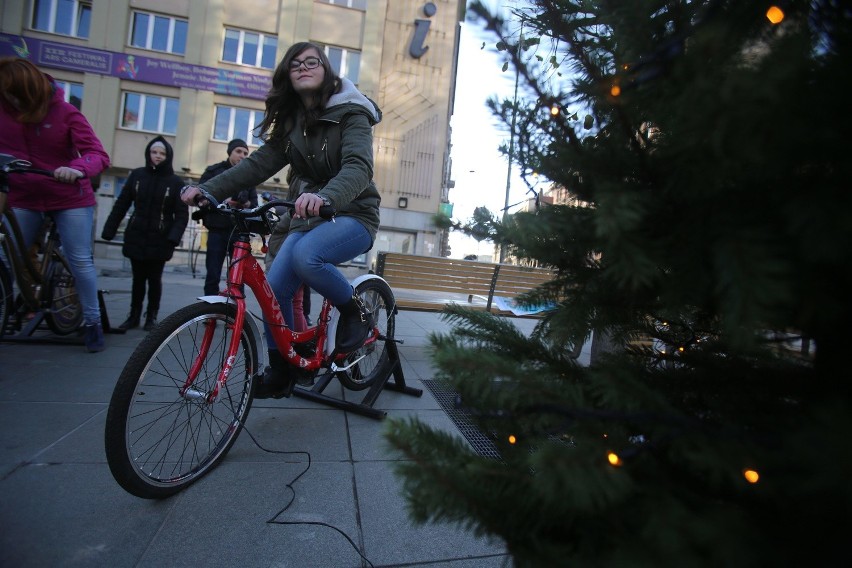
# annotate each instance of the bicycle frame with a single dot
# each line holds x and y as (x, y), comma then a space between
(244, 269)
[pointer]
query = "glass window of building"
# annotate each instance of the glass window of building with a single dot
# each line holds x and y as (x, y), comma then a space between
(149, 113)
(158, 33)
(73, 92)
(234, 122)
(66, 17)
(357, 4)
(249, 48)
(345, 62)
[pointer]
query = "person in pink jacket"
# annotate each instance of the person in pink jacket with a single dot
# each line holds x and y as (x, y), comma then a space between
(39, 126)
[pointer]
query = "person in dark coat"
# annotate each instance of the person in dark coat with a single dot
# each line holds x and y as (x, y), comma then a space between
(155, 227)
(220, 229)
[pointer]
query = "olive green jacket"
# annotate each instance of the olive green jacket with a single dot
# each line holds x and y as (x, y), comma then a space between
(333, 159)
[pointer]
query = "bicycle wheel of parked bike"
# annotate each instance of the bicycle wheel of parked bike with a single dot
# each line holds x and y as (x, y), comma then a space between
(162, 435)
(6, 297)
(372, 360)
(65, 313)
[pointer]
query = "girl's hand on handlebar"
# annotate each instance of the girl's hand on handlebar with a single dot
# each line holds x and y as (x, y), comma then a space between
(189, 193)
(67, 175)
(307, 205)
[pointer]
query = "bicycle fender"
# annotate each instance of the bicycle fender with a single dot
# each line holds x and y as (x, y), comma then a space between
(335, 314)
(250, 320)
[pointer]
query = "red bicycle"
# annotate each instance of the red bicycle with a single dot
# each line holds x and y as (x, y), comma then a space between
(184, 395)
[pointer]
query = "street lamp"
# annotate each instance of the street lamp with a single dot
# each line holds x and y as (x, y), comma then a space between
(512, 138)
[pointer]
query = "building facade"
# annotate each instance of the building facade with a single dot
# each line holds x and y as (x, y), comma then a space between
(198, 72)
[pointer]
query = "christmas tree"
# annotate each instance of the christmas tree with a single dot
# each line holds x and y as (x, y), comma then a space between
(706, 140)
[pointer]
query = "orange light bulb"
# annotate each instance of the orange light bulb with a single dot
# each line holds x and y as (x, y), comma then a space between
(512, 439)
(775, 15)
(614, 459)
(615, 90)
(751, 475)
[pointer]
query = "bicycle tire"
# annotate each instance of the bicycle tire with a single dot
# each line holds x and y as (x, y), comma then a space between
(64, 310)
(158, 442)
(6, 297)
(374, 360)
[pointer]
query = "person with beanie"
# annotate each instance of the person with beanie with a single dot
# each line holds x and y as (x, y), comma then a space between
(220, 229)
(321, 126)
(155, 227)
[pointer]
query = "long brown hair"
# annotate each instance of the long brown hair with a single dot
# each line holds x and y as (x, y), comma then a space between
(283, 104)
(24, 88)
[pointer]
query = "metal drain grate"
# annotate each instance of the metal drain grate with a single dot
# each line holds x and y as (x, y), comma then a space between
(448, 400)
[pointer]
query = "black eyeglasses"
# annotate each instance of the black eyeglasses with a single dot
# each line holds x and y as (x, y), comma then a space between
(308, 62)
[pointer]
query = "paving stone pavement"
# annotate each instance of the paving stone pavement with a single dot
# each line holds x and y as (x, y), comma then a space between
(59, 505)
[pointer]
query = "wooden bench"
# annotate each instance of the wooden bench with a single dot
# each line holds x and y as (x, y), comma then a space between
(428, 283)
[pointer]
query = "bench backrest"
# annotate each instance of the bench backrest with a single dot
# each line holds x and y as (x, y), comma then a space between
(450, 275)
(437, 274)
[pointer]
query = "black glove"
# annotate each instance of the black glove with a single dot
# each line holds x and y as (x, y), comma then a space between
(198, 215)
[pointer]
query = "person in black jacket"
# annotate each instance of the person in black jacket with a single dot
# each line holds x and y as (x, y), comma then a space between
(220, 229)
(155, 227)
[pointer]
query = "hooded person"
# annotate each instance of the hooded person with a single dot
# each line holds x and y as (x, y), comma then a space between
(220, 229)
(155, 227)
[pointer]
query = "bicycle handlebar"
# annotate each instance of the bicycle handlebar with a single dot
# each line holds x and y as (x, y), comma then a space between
(10, 164)
(326, 212)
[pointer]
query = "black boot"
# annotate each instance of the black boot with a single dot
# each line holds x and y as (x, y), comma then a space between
(354, 325)
(150, 319)
(277, 381)
(132, 321)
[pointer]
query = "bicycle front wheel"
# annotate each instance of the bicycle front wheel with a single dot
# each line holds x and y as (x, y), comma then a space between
(65, 313)
(372, 359)
(162, 434)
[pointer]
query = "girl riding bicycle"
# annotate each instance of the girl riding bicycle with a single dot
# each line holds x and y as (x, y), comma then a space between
(321, 126)
(40, 127)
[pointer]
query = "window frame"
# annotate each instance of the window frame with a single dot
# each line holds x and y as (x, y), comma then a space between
(344, 61)
(66, 87)
(140, 118)
(362, 4)
(79, 8)
(149, 33)
(261, 37)
(255, 117)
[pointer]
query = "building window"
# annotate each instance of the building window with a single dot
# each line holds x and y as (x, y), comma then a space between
(73, 92)
(66, 17)
(357, 4)
(345, 62)
(249, 48)
(158, 33)
(149, 113)
(233, 122)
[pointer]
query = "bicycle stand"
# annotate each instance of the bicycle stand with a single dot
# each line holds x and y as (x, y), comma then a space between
(27, 333)
(365, 407)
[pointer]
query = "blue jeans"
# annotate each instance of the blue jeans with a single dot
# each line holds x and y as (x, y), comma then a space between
(75, 234)
(310, 257)
(219, 243)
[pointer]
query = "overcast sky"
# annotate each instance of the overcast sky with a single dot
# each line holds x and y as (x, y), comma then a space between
(479, 170)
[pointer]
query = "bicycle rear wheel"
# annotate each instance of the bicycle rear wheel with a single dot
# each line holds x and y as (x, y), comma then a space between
(6, 297)
(65, 313)
(372, 359)
(160, 437)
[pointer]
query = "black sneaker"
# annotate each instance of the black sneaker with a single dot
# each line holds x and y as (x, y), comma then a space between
(275, 384)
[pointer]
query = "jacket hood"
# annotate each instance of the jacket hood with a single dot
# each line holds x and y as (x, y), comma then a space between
(164, 167)
(350, 95)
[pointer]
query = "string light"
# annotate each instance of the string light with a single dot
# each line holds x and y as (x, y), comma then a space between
(512, 439)
(775, 15)
(554, 110)
(614, 460)
(751, 475)
(615, 90)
